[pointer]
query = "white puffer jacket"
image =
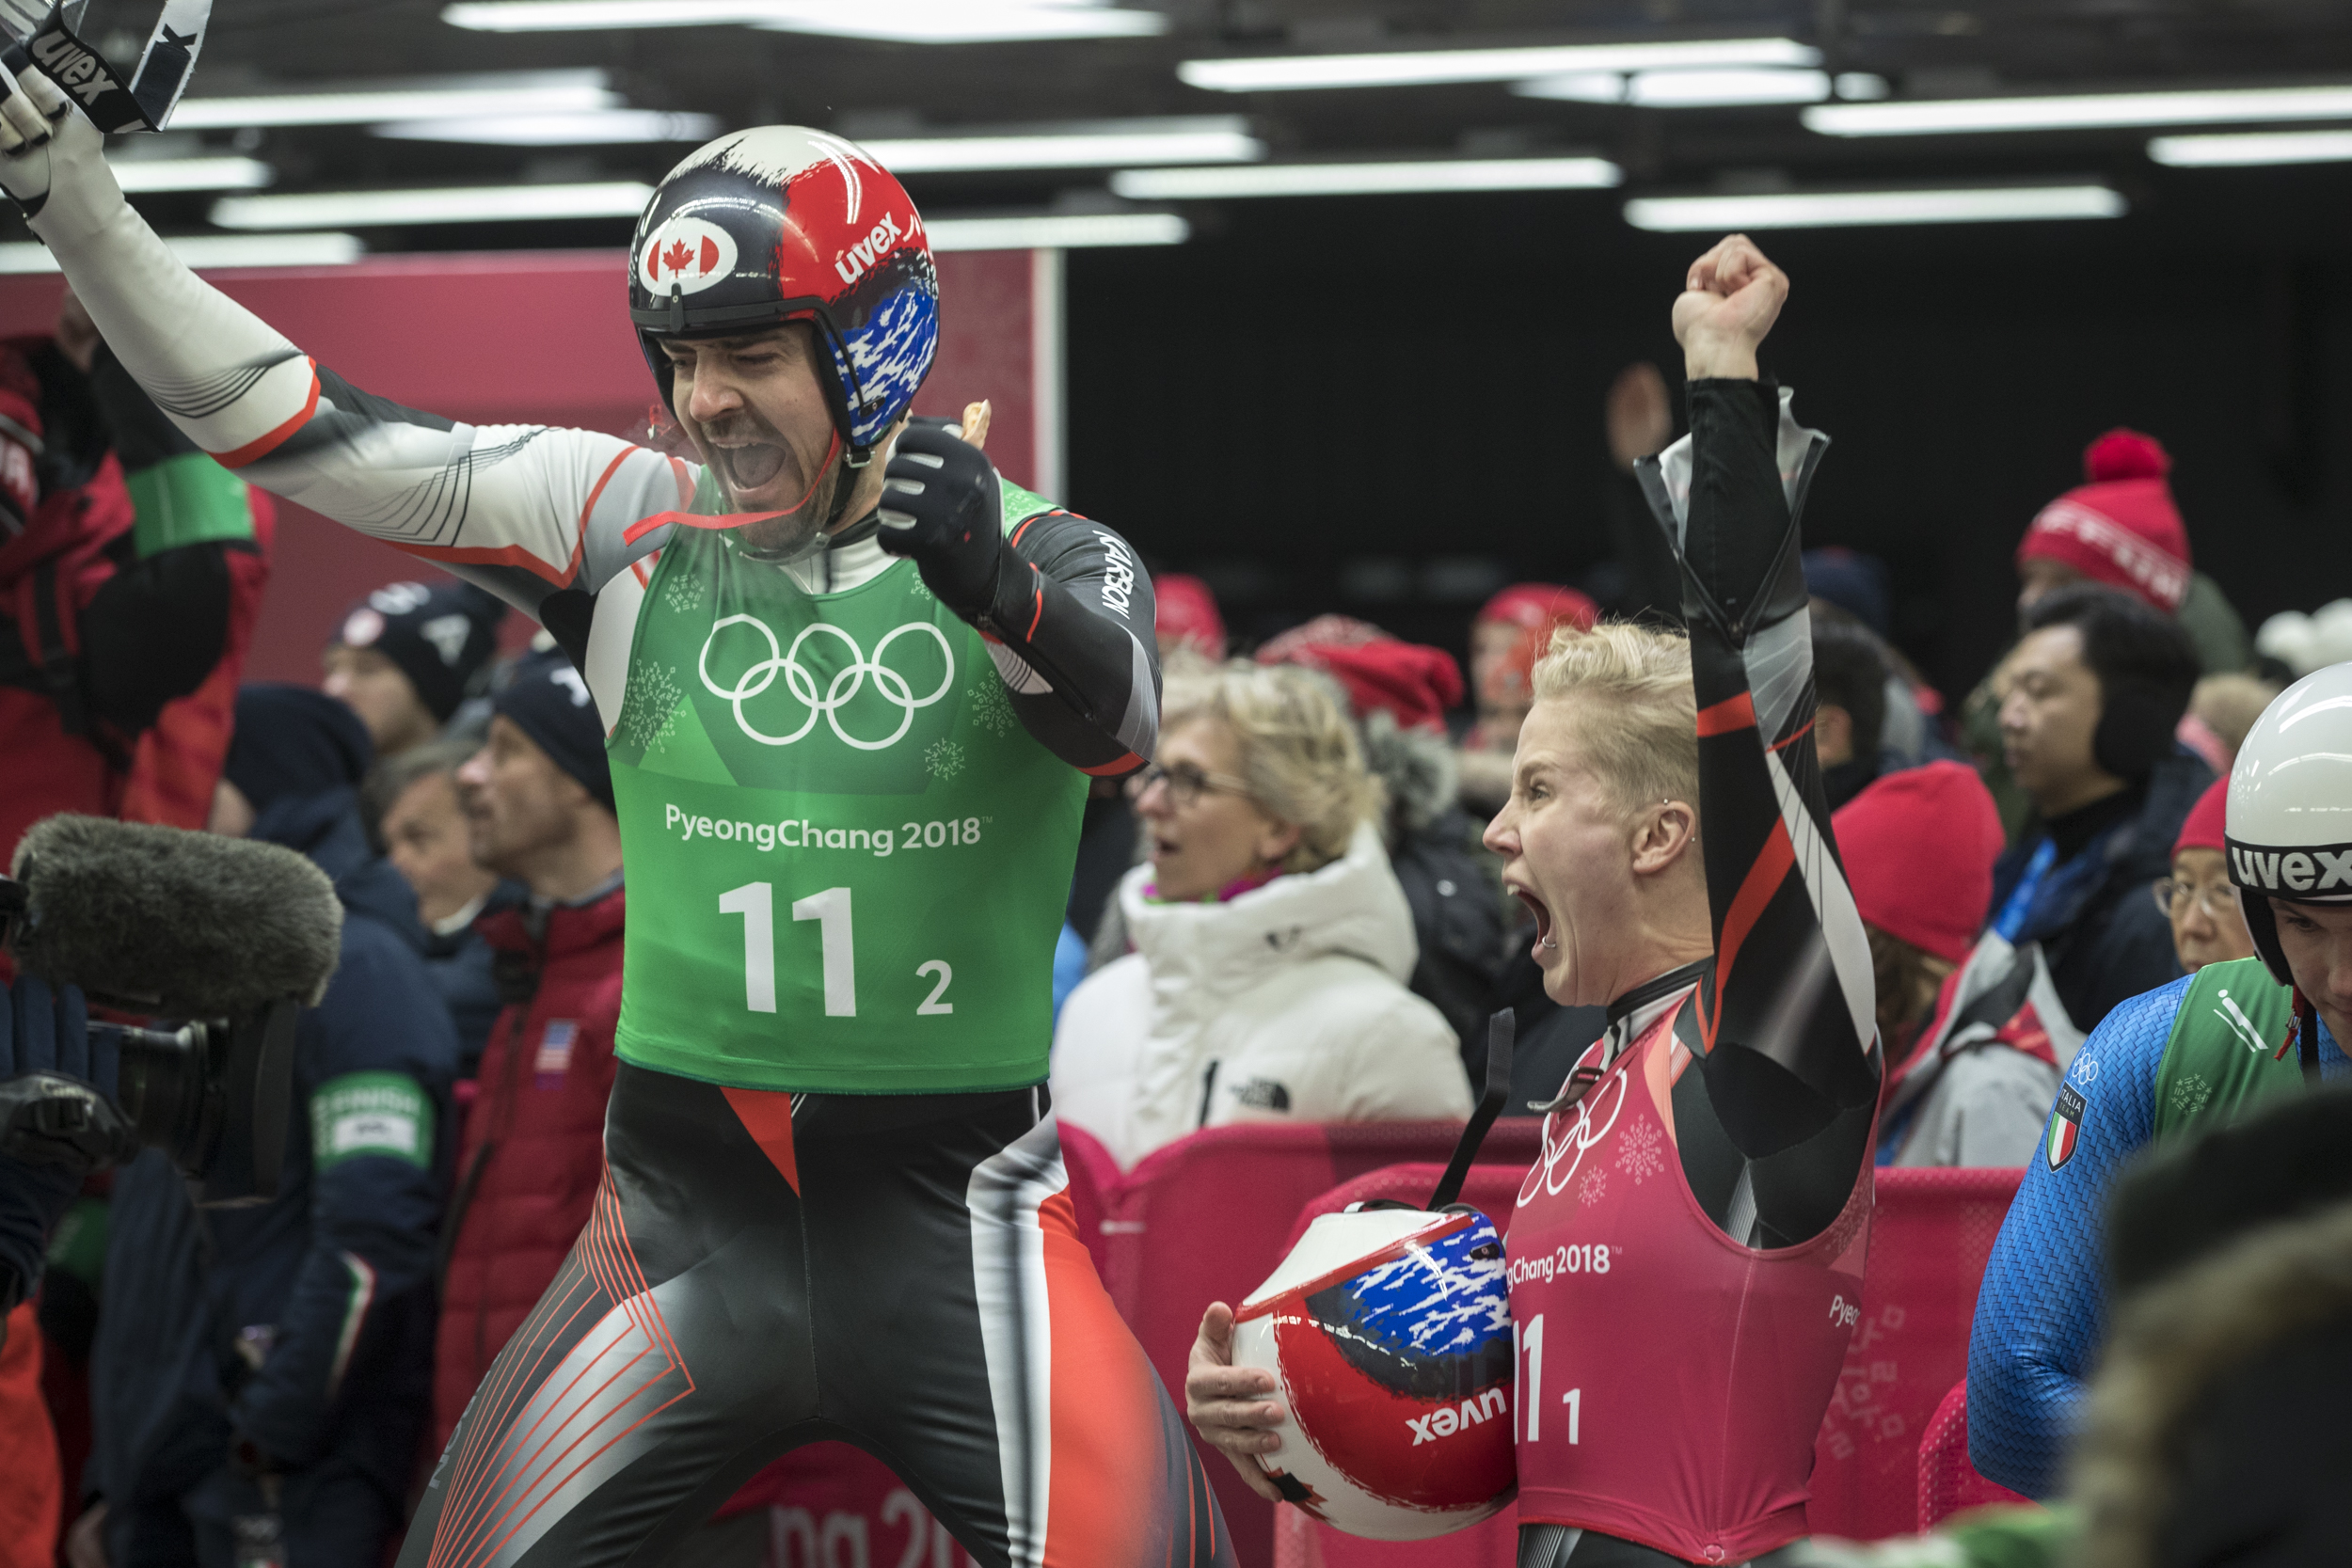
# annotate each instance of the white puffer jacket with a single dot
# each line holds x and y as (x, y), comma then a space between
(1284, 1004)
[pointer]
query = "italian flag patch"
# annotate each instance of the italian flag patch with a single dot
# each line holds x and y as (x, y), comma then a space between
(2066, 1127)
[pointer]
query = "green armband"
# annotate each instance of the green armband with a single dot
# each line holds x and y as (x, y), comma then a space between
(188, 499)
(371, 1113)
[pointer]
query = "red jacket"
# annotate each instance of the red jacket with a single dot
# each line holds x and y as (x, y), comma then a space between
(128, 598)
(534, 1145)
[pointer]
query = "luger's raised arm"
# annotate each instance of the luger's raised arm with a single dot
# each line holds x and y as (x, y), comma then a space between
(1787, 1015)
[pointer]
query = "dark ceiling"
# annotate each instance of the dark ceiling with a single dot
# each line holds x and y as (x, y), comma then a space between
(746, 76)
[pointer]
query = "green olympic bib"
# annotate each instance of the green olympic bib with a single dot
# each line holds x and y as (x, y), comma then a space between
(847, 862)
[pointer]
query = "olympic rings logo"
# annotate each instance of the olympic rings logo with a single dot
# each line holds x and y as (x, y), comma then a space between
(845, 685)
(1565, 1146)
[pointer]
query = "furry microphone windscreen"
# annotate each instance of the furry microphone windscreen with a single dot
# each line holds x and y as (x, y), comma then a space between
(177, 924)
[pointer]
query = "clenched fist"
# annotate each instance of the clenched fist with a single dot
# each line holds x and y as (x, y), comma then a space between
(1730, 302)
(53, 160)
(31, 112)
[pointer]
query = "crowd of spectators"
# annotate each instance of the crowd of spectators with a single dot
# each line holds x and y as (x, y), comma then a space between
(1287, 915)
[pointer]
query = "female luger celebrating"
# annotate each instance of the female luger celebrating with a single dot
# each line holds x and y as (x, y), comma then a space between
(1686, 1256)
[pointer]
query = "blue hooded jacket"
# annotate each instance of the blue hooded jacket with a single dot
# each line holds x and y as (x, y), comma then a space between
(304, 1325)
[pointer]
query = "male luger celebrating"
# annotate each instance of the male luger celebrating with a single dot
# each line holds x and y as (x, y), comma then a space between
(1686, 1255)
(848, 789)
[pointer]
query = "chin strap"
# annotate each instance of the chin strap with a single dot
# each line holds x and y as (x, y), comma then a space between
(2303, 1037)
(817, 540)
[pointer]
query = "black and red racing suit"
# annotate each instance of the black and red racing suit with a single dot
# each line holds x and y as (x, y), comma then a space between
(1686, 1256)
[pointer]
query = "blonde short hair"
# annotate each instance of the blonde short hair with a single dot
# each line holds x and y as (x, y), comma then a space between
(1628, 688)
(1299, 755)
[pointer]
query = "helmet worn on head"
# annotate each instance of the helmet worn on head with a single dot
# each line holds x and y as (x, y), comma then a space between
(2289, 831)
(782, 223)
(1389, 1330)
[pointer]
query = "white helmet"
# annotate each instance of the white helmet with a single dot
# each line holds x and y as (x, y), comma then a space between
(1390, 1331)
(2289, 826)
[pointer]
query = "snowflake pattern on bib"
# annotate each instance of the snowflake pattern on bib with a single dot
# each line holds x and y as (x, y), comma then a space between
(1638, 1153)
(2190, 1095)
(1593, 1187)
(942, 760)
(992, 709)
(649, 712)
(685, 593)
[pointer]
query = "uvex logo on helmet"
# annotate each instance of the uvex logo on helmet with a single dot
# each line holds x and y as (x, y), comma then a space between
(879, 241)
(2317, 873)
(686, 253)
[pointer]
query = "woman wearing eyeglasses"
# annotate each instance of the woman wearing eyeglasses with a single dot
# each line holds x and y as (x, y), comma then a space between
(1271, 939)
(2207, 927)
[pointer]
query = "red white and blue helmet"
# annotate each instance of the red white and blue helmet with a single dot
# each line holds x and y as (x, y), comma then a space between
(782, 223)
(1389, 1332)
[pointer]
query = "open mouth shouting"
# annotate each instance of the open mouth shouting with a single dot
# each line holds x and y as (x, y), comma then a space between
(749, 465)
(1541, 911)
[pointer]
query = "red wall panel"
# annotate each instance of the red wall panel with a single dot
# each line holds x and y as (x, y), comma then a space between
(539, 338)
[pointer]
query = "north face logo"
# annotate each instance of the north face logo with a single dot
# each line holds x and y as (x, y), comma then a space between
(1263, 1093)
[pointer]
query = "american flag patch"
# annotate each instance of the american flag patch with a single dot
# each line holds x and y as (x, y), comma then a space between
(555, 1047)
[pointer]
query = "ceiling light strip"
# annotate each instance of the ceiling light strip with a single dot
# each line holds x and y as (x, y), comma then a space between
(1057, 230)
(589, 128)
(2252, 148)
(1366, 178)
(1675, 214)
(144, 176)
(898, 21)
(2080, 111)
(618, 199)
(207, 252)
(531, 92)
(1226, 143)
(1301, 72)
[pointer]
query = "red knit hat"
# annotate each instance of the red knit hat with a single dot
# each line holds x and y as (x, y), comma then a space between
(1538, 609)
(1919, 848)
(1184, 609)
(1541, 606)
(1413, 684)
(2120, 529)
(2201, 830)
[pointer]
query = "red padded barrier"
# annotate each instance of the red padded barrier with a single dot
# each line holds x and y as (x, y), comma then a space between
(829, 1505)
(1929, 1240)
(1203, 1220)
(1948, 1484)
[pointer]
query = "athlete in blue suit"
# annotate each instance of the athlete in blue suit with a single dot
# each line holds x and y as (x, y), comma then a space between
(2043, 1310)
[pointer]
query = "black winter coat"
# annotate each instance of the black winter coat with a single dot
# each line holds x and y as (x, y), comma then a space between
(2105, 938)
(303, 1325)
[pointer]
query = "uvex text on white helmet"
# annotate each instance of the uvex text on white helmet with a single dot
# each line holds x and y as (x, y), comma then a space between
(1390, 1331)
(2289, 826)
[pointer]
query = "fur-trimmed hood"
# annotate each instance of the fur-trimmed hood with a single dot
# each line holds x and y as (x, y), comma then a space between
(1417, 768)
(2185, 1346)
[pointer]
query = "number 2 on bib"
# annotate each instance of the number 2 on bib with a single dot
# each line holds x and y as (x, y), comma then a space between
(757, 903)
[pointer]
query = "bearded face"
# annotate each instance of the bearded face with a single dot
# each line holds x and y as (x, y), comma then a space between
(755, 408)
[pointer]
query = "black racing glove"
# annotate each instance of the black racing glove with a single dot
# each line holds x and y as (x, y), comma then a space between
(939, 506)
